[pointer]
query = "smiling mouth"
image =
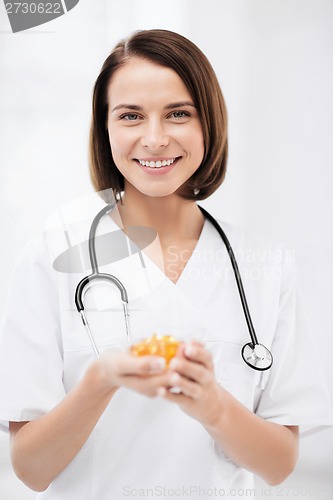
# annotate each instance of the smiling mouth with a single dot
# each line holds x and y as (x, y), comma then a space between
(158, 163)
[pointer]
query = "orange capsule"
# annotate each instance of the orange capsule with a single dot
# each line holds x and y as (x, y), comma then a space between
(157, 345)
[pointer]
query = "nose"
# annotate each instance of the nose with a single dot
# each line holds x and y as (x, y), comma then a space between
(154, 136)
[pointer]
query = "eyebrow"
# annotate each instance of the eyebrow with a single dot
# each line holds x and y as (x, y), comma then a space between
(172, 105)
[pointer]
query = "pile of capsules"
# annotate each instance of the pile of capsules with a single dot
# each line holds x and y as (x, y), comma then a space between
(164, 346)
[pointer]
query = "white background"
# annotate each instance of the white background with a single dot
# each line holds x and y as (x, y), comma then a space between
(273, 59)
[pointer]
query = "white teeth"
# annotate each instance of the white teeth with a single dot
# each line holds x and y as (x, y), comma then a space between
(156, 164)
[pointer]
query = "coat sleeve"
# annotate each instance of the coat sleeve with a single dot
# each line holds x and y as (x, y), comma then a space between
(294, 390)
(31, 361)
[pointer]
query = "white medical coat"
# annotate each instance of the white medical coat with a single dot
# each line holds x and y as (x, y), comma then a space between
(145, 447)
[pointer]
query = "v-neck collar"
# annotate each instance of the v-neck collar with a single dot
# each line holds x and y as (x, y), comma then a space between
(199, 277)
(194, 255)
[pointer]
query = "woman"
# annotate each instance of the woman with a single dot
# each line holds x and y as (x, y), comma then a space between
(120, 425)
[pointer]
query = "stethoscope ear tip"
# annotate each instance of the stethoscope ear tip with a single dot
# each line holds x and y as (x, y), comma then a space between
(257, 356)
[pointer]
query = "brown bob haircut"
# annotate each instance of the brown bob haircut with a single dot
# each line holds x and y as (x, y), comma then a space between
(174, 51)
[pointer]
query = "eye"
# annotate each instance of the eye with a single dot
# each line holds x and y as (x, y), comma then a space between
(131, 117)
(179, 115)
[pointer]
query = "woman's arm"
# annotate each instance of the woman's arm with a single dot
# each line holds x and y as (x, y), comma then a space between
(42, 448)
(270, 450)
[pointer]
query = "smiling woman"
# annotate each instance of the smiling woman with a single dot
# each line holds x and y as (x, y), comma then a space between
(120, 423)
(160, 146)
(188, 94)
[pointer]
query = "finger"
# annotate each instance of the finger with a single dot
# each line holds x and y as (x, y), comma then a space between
(196, 352)
(184, 387)
(194, 343)
(190, 370)
(125, 363)
(144, 365)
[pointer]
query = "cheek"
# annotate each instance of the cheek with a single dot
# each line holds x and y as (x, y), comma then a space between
(119, 142)
(194, 142)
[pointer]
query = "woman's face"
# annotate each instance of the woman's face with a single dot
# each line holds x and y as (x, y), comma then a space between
(154, 130)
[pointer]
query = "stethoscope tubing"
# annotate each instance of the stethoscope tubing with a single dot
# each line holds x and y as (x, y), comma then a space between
(237, 275)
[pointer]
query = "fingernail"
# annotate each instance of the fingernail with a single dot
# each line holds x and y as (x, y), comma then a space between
(175, 378)
(156, 364)
(189, 350)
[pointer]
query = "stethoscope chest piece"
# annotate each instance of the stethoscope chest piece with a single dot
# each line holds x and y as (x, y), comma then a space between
(257, 356)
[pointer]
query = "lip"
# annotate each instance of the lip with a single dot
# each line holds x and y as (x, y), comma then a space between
(157, 170)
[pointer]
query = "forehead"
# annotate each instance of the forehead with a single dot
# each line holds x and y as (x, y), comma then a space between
(143, 80)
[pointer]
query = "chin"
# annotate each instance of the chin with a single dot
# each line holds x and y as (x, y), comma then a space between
(158, 193)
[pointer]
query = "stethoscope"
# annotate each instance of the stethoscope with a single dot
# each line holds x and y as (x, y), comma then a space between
(255, 355)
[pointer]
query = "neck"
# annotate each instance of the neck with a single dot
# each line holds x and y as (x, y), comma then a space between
(171, 216)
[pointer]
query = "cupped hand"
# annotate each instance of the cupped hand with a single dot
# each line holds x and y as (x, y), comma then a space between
(144, 374)
(192, 383)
